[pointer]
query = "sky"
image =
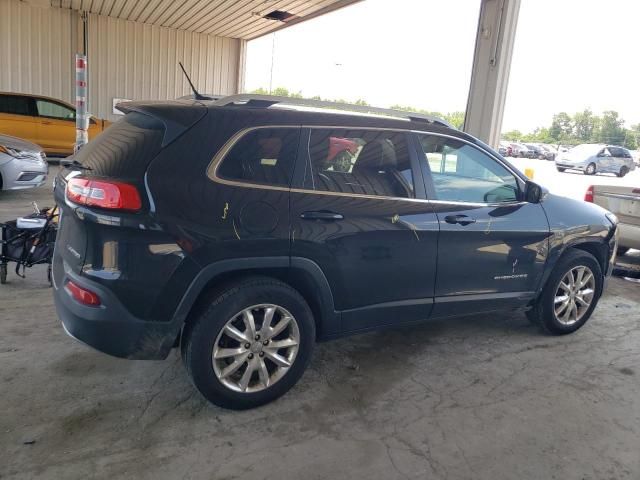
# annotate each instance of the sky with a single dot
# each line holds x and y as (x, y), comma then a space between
(568, 55)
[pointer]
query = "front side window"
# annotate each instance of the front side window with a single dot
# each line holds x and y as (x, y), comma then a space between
(54, 110)
(462, 173)
(264, 156)
(14, 104)
(365, 162)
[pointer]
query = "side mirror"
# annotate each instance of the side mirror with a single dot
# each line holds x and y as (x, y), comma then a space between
(534, 193)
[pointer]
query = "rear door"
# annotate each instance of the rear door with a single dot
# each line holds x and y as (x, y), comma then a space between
(17, 117)
(492, 246)
(358, 210)
(56, 126)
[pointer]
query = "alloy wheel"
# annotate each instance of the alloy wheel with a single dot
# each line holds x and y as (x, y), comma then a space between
(574, 295)
(256, 348)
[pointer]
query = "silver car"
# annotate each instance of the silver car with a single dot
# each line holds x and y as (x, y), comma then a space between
(596, 158)
(22, 164)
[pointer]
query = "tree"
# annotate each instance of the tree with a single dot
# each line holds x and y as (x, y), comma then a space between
(561, 127)
(611, 129)
(584, 125)
(455, 118)
(513, 135)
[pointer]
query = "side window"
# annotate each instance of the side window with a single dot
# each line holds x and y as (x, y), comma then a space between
(14, 104)
(265, 156)
(616, 152)
(366, 162)
(462, 173)
(54, 110)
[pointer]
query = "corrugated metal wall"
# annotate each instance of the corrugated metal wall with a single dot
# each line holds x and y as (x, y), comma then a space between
(36, 50)
(126, 59)
(140, 61)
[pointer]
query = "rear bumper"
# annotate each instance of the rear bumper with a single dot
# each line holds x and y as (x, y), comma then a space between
(110, 328)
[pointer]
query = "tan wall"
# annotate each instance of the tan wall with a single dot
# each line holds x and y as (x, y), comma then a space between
(126, 59)
(36, 50)
(140, 62)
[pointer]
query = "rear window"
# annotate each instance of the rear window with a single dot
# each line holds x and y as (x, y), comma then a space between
(125, 149)
(264, 156)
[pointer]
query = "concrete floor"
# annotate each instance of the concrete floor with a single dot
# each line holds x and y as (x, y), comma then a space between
(473, 398)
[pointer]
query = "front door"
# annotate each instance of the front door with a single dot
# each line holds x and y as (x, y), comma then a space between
(359, 212)
(57, 126)
(492, 246)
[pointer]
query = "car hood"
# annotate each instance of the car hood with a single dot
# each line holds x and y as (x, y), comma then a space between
(19, 144)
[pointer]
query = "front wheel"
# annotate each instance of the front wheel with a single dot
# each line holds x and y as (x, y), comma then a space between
(560, 169)
(251, 345)
(570, 294)
(3, 273)
(591, 169)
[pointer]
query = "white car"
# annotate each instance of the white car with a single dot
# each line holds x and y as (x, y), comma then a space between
(596, 158)
(624, 202)
(22, 164)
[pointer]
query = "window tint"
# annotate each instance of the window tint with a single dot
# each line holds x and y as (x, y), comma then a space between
(463, 173)
(14, 104)
(360, 162)
(54, 110)
(264, 155)
(616, 152)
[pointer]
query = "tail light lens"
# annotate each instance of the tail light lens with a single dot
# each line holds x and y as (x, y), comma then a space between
(588, 196)
(103, 194)
(82, 295)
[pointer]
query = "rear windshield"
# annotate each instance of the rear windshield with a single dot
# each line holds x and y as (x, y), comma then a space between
(125, 149)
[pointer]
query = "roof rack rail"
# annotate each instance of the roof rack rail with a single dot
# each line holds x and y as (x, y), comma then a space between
(265, 101)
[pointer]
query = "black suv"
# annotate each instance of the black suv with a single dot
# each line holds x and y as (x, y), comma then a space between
(243, 230)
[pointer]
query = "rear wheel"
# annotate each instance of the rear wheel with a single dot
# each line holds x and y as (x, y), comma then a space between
(591, 169)
(560, 169)
(251, 345)
(3, 273)
(570, 294)
(623, 171)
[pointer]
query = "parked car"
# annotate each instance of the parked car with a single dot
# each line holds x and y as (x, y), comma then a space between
(594, 158)
(505, 149)
(624, 202)
(519, 150)
(550, 151)
(44, 121)
(22, 164)
(250, 248)
(535, 151)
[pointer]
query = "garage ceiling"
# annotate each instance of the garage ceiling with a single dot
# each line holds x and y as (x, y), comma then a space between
(226, 18)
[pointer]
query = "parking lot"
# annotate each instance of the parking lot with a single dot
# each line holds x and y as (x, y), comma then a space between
(475, 397)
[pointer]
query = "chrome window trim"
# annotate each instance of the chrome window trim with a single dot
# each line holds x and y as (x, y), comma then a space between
(212, 168)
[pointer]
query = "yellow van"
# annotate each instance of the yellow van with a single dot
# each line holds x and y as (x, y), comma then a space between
(44, 121)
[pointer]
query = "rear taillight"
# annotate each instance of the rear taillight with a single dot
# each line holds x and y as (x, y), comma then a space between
(82, 295)
(103, 194)
(588, 196)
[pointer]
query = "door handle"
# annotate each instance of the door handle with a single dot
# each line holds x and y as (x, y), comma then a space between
(461, 219)
(321, 215)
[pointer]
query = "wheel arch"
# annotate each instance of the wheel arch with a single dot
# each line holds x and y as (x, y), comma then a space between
(302, 274)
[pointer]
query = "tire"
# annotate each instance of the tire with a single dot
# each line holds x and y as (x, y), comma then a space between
(623, 171)
(543, 312)
(560, 169)
(3, 273)
(622, 251)
(208, 333)
(590, 170)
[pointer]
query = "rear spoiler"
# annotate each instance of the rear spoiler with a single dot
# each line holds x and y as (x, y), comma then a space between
(177, 117)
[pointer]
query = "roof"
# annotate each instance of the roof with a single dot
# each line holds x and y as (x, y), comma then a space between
(243, 19)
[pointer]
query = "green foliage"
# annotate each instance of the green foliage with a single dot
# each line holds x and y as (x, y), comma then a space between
(582, 127)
